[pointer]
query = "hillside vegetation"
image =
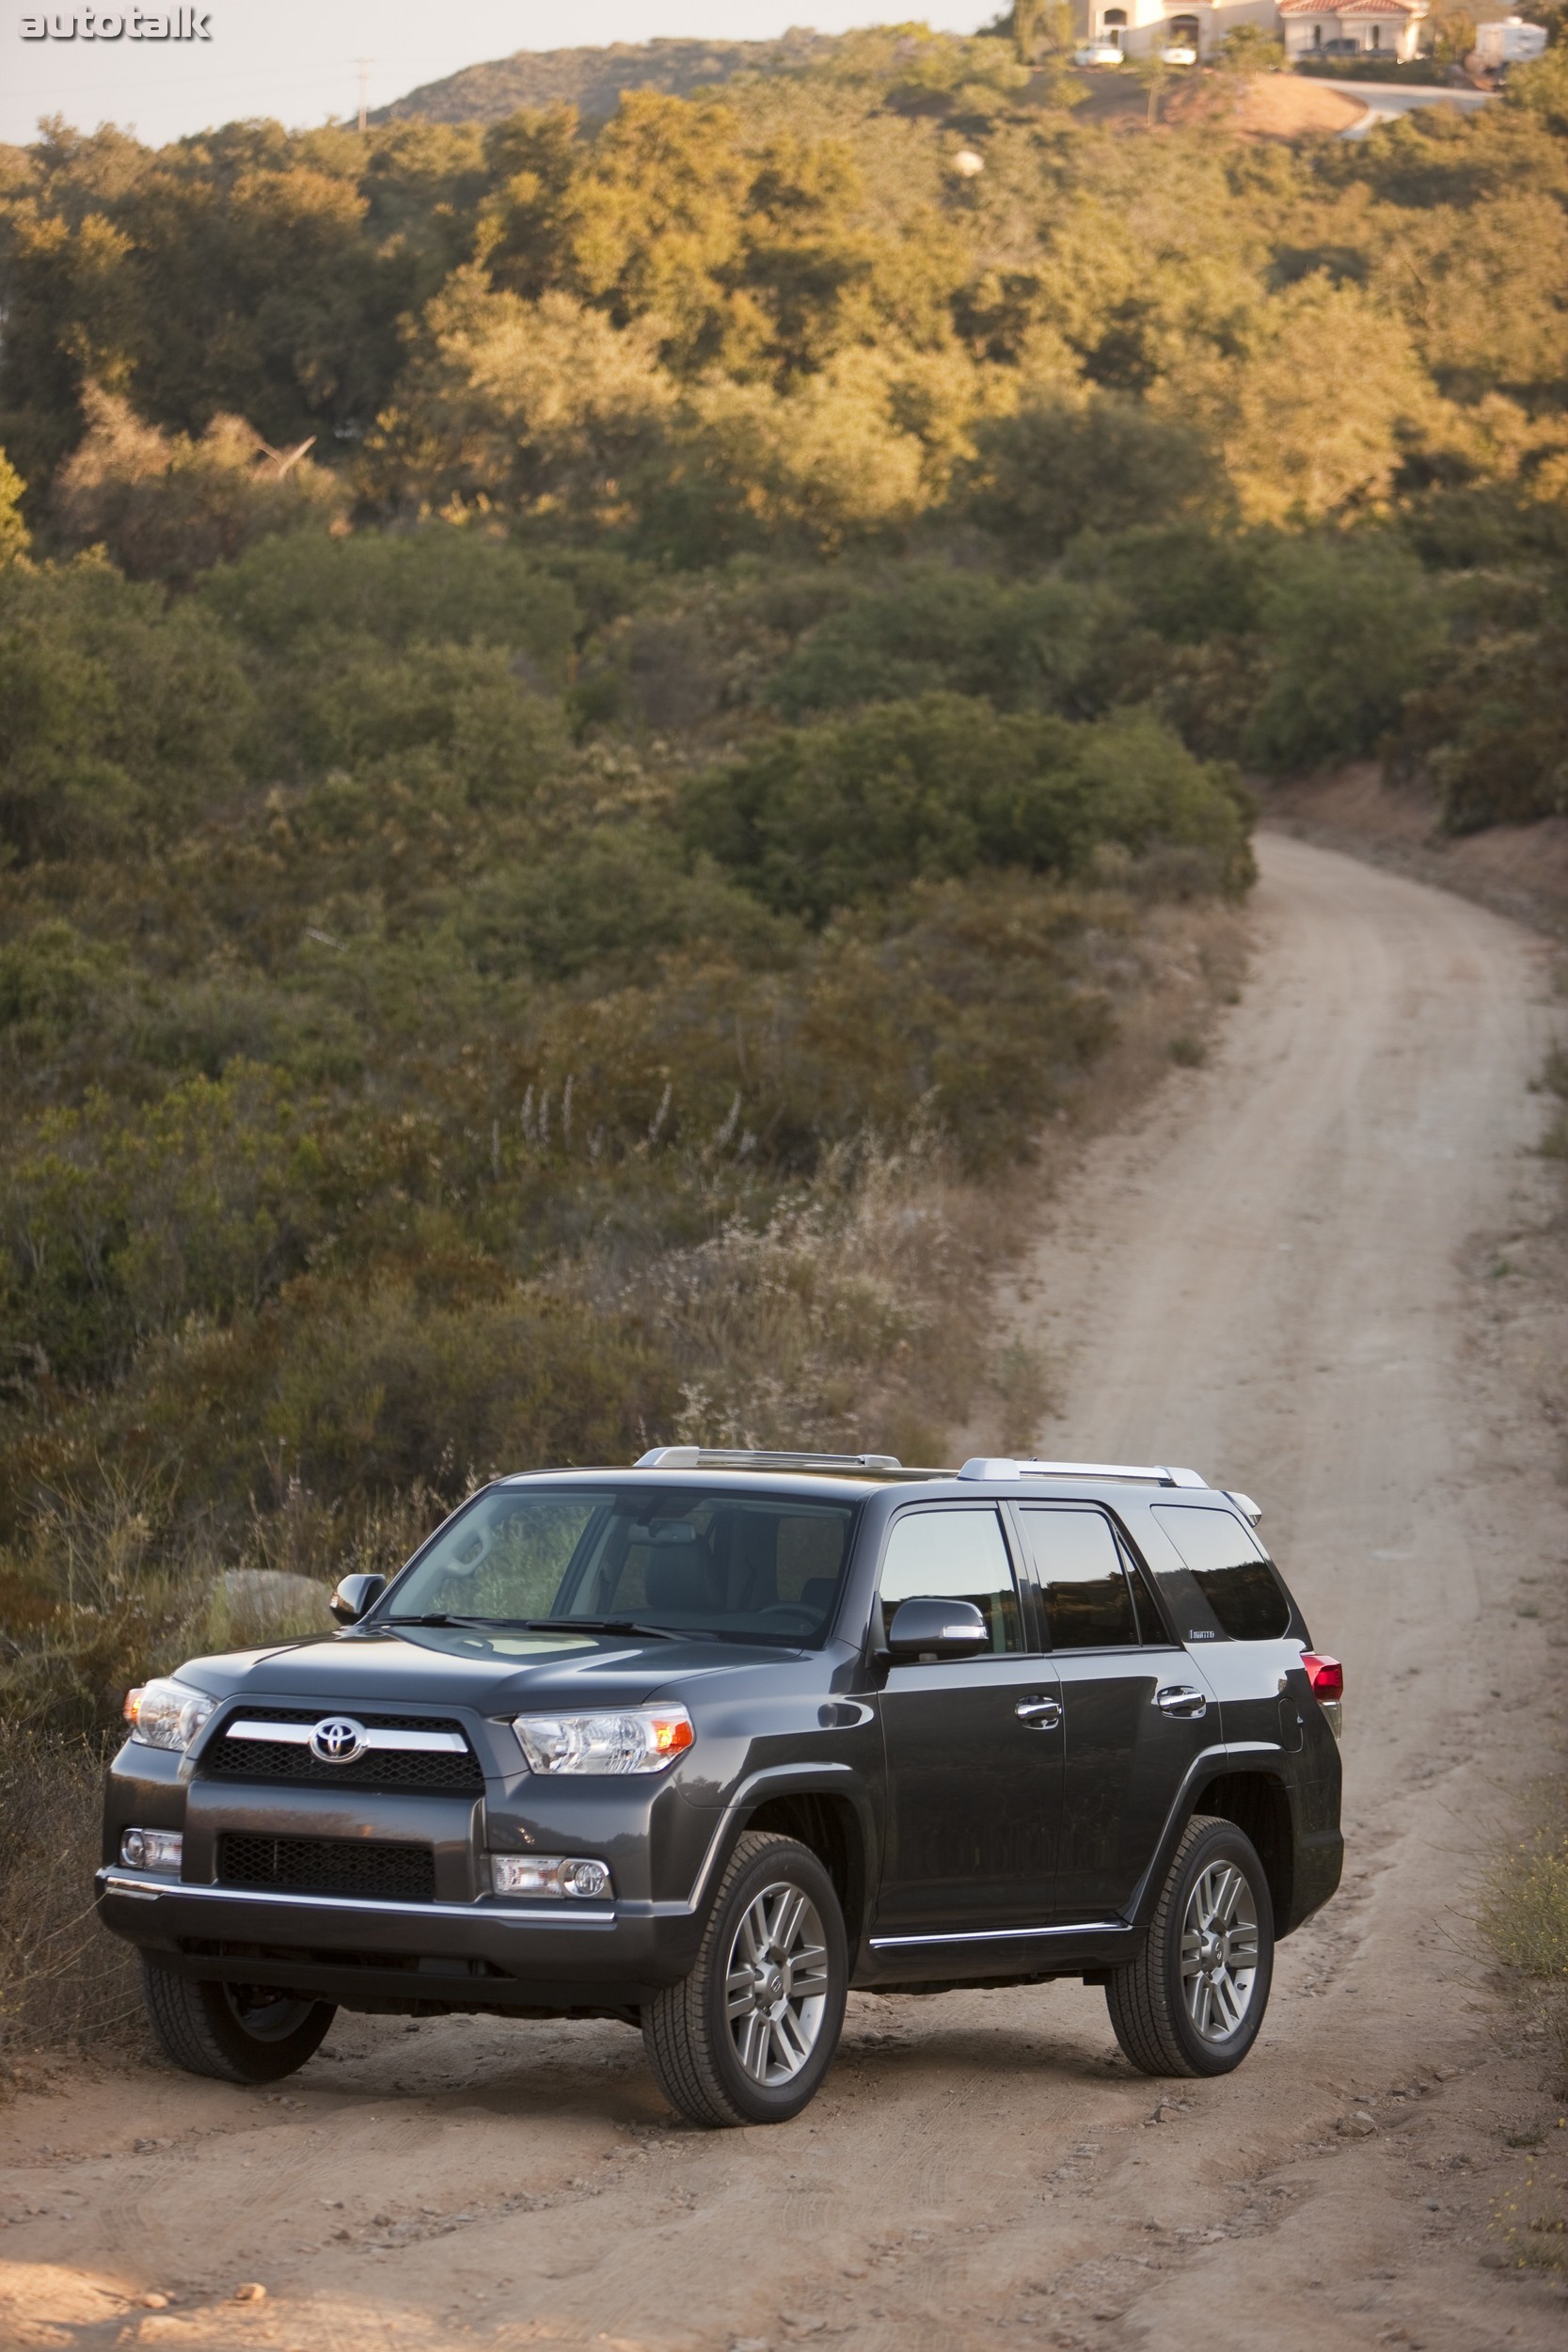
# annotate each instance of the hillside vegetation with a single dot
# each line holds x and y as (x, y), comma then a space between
(592, 80)
(524, 922)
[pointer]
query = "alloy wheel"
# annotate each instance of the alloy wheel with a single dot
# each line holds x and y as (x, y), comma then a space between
(776, 1983)
(1219, 1951)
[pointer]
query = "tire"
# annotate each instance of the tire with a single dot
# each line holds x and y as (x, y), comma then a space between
(775, 1899)
(1175, 2020)
(239, 2033)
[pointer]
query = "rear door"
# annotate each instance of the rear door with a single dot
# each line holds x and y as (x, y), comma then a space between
(973, 1746)
(1136, 1709)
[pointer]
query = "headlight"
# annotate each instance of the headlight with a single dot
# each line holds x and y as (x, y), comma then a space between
(644, 1739)
(166, 1714)
(548, 1874)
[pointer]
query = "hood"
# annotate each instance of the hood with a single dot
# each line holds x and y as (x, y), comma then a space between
(492, 1672)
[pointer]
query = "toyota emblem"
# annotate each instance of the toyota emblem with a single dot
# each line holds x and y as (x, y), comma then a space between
(338, 1740)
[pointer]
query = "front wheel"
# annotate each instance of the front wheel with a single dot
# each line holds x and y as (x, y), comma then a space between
(241, 2033)
(1193, 2002)
(748, 2036)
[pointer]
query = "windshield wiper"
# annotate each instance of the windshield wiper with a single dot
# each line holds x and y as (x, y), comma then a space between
(439, 1616)
(619, 1624)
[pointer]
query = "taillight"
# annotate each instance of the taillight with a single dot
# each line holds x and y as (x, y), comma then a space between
(1325, 1675)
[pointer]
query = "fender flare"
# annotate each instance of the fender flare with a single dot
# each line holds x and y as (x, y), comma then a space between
(756, 1788)
(1233, 1756)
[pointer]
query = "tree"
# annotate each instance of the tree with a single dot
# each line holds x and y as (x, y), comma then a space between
(167, 507)
(1248, 49)
(15, 537)
(1349, 625)
(1314, 415)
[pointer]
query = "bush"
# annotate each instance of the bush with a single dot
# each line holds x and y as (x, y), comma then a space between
(1348, 626)
(165, 507)
(1058, 467)
(1048, 645)
(1421, 71)
(823, 817)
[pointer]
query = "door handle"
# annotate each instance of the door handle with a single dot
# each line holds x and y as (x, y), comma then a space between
(1180, 1699)
(1039, 1714)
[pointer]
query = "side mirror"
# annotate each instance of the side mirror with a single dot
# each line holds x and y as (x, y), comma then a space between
(355, 1595)
(936, 1628)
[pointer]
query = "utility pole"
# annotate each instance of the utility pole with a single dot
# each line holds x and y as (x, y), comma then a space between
(365, 65)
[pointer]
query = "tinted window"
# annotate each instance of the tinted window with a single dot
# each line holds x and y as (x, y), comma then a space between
(1088, 1602)
(954, 1555)
(757, 1565)
(1229, 1568)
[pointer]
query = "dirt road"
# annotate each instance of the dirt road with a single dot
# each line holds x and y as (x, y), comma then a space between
(1311, 1270)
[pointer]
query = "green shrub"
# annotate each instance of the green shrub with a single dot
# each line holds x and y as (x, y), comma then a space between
(822, 816)
(1347, 626)
(1048, 645)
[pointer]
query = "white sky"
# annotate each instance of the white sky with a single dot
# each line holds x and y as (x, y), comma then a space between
(297, 59)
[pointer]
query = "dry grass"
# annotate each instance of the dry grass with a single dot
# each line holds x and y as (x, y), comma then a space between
(61, 1978)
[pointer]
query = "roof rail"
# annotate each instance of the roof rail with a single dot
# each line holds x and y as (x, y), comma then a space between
(1004, 1465)
(686, 1458)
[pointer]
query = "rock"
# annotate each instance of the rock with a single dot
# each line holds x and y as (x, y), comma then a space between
(1357, 2127)
(153, 2302)
(253, 2291)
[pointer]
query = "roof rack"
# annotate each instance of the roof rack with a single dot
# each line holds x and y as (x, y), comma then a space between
(689, 1457)
(1004, 1465)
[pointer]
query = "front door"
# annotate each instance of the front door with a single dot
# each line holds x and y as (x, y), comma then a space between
(1137, 1710)
(973, 1746)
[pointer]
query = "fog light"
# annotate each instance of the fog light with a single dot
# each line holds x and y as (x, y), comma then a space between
(548, 1875)
(152, 1849)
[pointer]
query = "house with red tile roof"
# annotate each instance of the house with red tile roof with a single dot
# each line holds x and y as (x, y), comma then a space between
(1309, 28)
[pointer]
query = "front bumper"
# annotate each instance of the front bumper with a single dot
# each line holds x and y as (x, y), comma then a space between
(365, 1952)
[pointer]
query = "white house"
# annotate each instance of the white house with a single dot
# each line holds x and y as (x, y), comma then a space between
(1339, 29)
(1334, 28)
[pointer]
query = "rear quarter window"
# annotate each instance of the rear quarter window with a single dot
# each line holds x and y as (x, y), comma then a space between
(1231, 1570)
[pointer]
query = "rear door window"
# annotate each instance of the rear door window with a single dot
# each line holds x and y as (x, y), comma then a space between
(1231, 1570)
(1083, 1582)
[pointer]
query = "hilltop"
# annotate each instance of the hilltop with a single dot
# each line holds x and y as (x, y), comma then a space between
(591, 80)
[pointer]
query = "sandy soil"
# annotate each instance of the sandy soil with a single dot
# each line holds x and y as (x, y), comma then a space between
(1261, 106)
(1319, 1268)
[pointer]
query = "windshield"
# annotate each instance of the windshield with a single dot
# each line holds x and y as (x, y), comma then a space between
(755, 1568)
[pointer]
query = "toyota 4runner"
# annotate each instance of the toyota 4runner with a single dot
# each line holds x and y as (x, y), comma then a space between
(703, 1744)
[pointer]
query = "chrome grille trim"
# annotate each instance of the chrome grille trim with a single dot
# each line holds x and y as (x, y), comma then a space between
(298, 1735)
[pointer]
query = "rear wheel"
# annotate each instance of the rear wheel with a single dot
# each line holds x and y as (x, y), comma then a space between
(1193, 2002)
(241, 2033)
(748, 2036)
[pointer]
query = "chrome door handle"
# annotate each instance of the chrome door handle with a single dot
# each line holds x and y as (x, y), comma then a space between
(1180, 1699)
(1039, 1714)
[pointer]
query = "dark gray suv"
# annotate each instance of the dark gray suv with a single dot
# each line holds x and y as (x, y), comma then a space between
(705, 1743)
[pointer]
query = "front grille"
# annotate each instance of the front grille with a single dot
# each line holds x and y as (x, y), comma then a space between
(379, 1768)
(328, 1865)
